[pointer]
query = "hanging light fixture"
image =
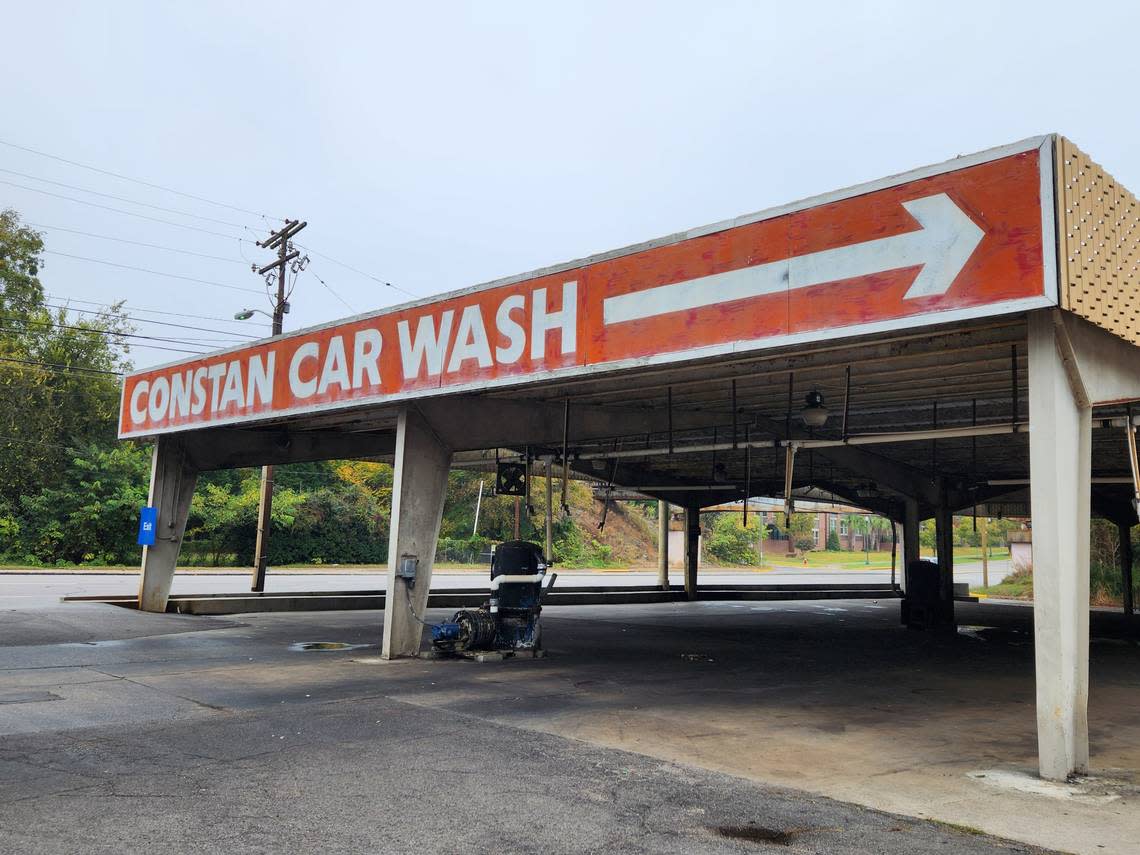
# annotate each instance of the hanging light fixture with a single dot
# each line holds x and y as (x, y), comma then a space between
(814, 412)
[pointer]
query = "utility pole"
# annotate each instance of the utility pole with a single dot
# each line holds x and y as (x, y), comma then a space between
(278, 240)
(985, 553)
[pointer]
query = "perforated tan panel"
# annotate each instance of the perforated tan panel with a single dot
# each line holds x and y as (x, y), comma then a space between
(1099, 232)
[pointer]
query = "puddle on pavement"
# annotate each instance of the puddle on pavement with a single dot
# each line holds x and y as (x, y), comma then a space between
(758, 834)
(975, 632)
(306, 646)
(1013, 637)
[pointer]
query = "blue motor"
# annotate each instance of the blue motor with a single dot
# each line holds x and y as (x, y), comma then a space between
(468, 629)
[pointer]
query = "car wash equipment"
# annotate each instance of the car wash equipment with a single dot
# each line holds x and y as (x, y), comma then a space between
(510, 620)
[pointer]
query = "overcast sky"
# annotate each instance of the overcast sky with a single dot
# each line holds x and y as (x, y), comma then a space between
(440, 145)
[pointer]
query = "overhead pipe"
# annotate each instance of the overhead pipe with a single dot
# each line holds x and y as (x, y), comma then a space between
(857, 439)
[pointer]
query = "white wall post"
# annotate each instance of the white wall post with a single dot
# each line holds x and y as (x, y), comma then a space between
(172, 482)
(1060, 445)
(663, 544)
(419, 486)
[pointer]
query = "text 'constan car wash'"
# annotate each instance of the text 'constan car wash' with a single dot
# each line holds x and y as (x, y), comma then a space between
(459, 342)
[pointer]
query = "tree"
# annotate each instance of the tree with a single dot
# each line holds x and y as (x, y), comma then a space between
(833, 544)
(881, 529)
(731, 542)
(859, 524)
(799, 530)
(58, 389)
(20, 263)
(91, 515)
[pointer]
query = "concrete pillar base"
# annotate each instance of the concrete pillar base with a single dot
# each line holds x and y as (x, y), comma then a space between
(1060, 445)
(944, 526)
(692, 549)
(419, 486)
(172, 480)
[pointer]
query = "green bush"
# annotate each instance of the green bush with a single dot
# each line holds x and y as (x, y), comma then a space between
(729, 541)
(90, 517)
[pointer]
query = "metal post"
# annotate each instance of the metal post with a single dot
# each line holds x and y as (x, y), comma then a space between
(549, 509)
(264, 517)
(894, 551)
(663, 545)
(985, 552)
(866, 538)
(478, 507)
(1126, 558)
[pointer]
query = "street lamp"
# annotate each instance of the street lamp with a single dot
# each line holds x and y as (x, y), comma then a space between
(246, 314)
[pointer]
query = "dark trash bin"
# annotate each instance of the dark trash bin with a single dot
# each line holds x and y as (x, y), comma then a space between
(923, 606)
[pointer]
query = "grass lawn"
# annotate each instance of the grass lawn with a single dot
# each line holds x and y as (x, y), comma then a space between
(845, 560)
(1105, 586)
(880, 560)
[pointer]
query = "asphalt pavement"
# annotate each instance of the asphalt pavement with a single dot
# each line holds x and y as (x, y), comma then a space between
(129, 732)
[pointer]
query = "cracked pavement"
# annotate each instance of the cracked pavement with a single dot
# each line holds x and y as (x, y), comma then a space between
(186, 734)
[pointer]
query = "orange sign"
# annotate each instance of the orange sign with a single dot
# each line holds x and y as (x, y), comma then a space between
(969, 238)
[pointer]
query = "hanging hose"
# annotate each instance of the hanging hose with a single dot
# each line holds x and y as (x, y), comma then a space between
(412, 608)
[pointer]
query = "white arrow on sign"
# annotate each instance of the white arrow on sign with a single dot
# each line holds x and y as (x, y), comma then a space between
(942, 247)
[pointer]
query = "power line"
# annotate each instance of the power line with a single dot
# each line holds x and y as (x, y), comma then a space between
(120, 210)
(357, 270)
(134, 242)
(147, 346)
(139, 181)
(60, 366)
(152, 321)
(123, 199)
(153, 272)
(153, 185)
(334, 293)
(153, 311)
(110, 333)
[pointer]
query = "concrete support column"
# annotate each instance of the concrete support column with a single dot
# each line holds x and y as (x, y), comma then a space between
(1060, 443)
(663, 545)
(944, 536)
(692, 549)
(1126, 558)
(910, 542)
(172, 482)
(419, 486)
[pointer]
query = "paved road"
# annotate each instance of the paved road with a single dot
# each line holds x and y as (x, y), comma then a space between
(34, 590)
(128, 732)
